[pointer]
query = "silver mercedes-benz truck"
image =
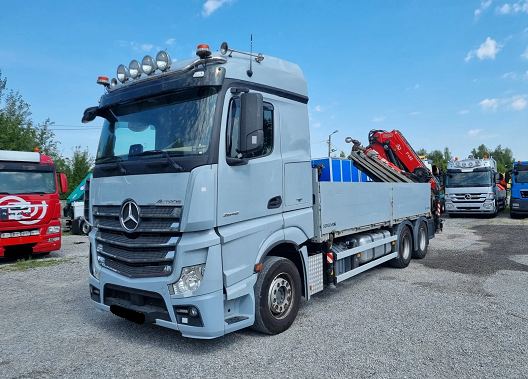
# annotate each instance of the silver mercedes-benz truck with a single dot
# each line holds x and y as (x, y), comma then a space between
(206, 211)
(472, 186)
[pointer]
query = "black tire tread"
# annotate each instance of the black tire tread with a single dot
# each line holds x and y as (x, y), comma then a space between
(418, 254)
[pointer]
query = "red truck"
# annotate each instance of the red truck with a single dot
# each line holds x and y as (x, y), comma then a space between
(29, 204)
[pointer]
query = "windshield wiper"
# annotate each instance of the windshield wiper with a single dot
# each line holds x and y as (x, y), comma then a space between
(113, 158)
(165, 154)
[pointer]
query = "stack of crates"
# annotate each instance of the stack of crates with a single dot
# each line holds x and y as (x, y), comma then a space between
(339, 170)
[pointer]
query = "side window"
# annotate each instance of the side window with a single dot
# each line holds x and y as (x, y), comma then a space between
(233, 134)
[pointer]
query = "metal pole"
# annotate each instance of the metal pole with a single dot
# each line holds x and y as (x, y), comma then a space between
(329, 145)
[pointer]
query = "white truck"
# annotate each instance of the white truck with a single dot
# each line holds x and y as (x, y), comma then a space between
(206, 210)
(472, 186)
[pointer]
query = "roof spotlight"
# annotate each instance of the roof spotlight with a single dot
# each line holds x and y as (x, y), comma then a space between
(148, 65)
(135, 69)
(223, 48)
(122, 73)
(163, 61)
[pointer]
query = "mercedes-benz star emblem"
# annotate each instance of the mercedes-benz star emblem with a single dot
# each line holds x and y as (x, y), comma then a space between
(468, 196)
(129, 216)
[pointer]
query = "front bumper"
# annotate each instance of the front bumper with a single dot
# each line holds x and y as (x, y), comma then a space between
(469, 208)
(41, 243)
(164, 311)
(519, 206)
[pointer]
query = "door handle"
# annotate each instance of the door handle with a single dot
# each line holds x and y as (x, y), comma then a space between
(274, 202)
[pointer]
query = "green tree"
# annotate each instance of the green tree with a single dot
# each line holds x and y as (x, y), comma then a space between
(421, 152)
(77, 167)
(503, 156)
(342, 154)
(447, 155)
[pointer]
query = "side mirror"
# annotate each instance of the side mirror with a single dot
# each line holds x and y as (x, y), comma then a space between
(89, 115)
(251, 122)
(498, 177)
(508, 176)
(63, 183)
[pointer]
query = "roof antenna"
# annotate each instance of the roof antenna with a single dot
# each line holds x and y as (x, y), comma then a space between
(250, 71)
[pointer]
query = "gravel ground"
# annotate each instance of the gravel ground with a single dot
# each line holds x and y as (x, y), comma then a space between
(460, 312)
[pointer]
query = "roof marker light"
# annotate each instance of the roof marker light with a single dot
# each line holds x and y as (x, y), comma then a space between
(134, 69)
(103, 80)
(113, 82)
(163, 61)
(148, 65)
(203, 51)
(122, 73)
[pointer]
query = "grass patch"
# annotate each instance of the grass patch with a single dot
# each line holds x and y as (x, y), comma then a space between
(68, 233)
(23, 264)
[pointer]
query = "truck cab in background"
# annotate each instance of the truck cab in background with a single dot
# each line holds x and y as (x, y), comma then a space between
(472, 186)
(74, 209)
(29, 204)
(519, 189)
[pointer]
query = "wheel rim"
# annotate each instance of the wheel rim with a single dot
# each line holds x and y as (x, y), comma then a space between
(85, 228)
(423, 239)
(406, 248)
(281, 295)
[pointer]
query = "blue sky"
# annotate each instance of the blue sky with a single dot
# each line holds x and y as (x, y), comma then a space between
(445, 73)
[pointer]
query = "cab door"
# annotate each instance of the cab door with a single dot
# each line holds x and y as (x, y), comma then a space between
(250, 203)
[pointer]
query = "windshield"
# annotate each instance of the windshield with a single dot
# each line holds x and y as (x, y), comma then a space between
(521, 177)
(27, 182)
(468, 179)
(179, 123)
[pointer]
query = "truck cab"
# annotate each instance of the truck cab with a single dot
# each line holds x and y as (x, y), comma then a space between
(519, 189)
(29, 204)
(472, 186)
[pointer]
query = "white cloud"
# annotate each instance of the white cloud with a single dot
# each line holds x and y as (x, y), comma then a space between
(463, 111)
(509, 75)
(170, 41)
(520, 6)
(378, 118)
(489, 104)
(487, 50)
(317, 124)
(318, 108)
(212, 5)
(518, 104)
(484, 4)
(414, 113)
(525, 54)
(474, 132)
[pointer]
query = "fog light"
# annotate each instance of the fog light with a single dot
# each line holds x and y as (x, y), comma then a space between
(193, 312)
(54, 239)
(449, 206)
(35, 232)
(488, 205)
(5, 235)
(25, 233)
(515, 205)
(15, 234)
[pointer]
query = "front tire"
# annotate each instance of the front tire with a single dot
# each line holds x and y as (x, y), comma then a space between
(422, 242)
(404, 249)
(85, 227)
(277, 295)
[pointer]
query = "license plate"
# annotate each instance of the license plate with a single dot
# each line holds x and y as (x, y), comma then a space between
(129, 314)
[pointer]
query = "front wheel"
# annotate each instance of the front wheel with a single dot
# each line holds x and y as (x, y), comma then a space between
(85, 227)
(277, 295)
(404, 249)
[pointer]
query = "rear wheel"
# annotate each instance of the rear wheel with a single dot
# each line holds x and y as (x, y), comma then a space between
(277, 296)
(404, 249)
(422, 242)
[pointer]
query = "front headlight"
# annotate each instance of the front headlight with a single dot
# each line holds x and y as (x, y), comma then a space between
(53, 229)
(190, 280)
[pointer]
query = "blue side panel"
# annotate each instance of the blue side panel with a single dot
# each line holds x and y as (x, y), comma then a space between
(355, 174)
(325, 177)
(336, 170)
(347, 175)
(364, 177)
